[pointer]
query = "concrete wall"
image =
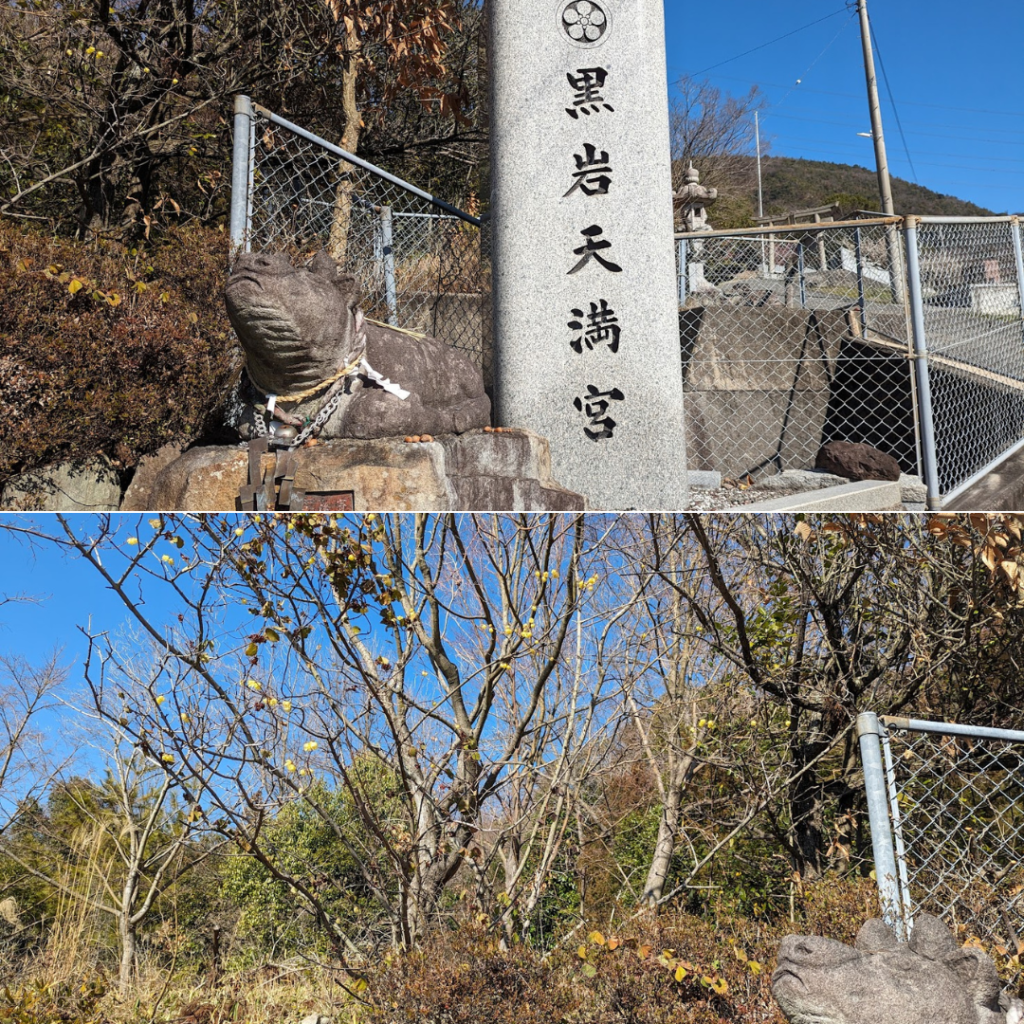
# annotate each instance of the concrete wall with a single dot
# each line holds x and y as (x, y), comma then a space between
(757, 385)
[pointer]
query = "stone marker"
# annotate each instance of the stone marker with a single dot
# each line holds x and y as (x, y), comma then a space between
(585, 301)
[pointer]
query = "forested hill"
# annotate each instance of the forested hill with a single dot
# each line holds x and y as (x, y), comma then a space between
(793, 184)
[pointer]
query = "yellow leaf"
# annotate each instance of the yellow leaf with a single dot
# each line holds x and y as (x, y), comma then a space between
(272, 634)
(597, 938)
(75, 286)
(251, 651)
(644, 952)
(720, 985)
(614, 944)
(680, 973)
(113, 299)
(582, 952)
(803, 531)
(755, 967)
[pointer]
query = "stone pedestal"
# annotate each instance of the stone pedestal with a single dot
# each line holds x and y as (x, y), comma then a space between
(475, 472)
(585, 303)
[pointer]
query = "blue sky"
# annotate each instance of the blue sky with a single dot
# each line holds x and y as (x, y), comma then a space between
(956, 72)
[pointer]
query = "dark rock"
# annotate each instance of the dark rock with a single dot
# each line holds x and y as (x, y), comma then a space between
(856, 461)
(881, 980)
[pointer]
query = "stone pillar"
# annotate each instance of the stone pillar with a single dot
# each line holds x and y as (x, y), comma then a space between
(585, 304)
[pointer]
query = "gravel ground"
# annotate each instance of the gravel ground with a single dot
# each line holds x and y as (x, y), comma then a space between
(728, 496)
(732, 493)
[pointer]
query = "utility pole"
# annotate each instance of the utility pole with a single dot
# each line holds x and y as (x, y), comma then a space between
(757, 146)
(881, 164)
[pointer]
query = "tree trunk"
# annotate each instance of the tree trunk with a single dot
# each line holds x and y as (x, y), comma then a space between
(129, 942)
(806, 806)
(664, 847)
(341, 221)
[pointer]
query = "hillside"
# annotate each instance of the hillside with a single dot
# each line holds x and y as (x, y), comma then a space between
(789, 183)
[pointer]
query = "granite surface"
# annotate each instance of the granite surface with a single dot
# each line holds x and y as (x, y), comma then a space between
(585, 305)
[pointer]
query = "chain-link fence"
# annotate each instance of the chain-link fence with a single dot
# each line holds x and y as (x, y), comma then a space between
(902, 333)
(946, 805)
(422, 262)
(970, 280)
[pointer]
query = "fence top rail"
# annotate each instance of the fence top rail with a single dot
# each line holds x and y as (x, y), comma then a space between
(1009, 218)
(364, 164)
(789, 229)
(951, 729)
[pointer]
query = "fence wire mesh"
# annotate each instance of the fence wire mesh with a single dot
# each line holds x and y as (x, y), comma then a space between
(422, 266)
(792, 338)
(956, 810)
(975, 339)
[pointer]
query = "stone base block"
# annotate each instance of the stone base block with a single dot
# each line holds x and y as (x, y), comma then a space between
(90, 486)
(472, 472)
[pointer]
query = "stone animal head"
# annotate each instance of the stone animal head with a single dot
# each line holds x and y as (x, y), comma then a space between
(926, 980)
(297, 325)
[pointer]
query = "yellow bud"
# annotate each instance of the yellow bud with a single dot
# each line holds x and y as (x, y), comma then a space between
(253, 684)
(132, 541)
(69, 53)
(167, 758)
(272, 701)
(91, 50)
(239, 531)
(161, 699)
(309, 746)
(286, 705)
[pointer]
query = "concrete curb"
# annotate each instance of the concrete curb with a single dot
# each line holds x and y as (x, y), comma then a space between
(860, 496)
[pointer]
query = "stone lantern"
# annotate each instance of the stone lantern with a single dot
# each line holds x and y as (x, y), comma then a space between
(692, 200)
(691, 204)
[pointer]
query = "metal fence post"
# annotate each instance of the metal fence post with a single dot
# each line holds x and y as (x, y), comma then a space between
(800, 267)
(241, 175)
(869, 737)
(924, 391)
(388, 261)
(681, 262)
(1019, 261)
(862, 302)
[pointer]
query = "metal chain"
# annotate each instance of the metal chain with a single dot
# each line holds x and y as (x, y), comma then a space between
(330, 406)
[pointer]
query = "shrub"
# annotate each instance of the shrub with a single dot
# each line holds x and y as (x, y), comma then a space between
(109, 349)
(465, 978)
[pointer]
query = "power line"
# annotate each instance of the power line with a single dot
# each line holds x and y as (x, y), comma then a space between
(911, 103)
(770, 42)
(892, 103)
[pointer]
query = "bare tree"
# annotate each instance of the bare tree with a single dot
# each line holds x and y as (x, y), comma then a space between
(716, 133)
(140, 843)
(26, 693)
(457, 653)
